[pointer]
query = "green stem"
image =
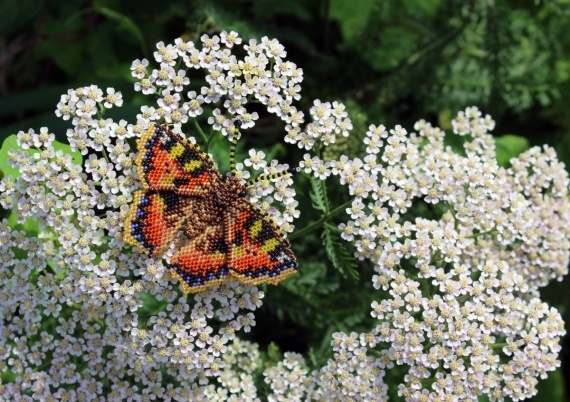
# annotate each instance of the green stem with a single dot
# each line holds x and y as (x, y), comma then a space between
(435, 257)
(489, 232)
(316, 224)
(48, 238)
(49, 269)
(204, 137)
(105, 155)
(455, 220)
(210, 139)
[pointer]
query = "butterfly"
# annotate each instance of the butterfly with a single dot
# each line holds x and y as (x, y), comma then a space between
(228, 236)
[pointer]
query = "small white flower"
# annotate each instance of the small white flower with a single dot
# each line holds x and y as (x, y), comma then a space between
(113, 98)
(256, 159)
(138, 68)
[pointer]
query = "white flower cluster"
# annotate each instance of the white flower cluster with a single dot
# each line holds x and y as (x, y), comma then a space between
(288, 380)
(460, 307)
(236, 381)
(81, 315)
(262, 75)
(75, 328)
(352, 374)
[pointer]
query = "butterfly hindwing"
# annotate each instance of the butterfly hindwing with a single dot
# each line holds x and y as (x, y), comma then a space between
(244, 244)
(257, 251)
(155, 218)
(202, 263)
(169, 162)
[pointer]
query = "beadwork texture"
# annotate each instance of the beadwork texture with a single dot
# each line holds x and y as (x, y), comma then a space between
(228, 237)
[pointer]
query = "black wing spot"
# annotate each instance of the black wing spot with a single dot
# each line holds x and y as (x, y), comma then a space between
(181, 181)
(170, 198)
(220, 246)
(266, 231)
(238, 241)
(187, 156)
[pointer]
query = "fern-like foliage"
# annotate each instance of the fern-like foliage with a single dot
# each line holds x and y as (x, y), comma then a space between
(342, 260)
(338, 254)
(318, 195)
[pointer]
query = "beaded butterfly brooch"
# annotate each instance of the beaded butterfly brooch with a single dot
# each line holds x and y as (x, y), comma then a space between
(228, 236)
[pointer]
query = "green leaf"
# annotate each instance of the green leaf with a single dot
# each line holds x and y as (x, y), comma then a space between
(66, 149)
(510, 146)
(351, 15)
(551, 388)
(71, 60)
(220, 151)
(274, 354)
(10, 143)
(340, 257)
(125, 23)
(30, 226)
(318, 194)
(151, 305)
(428, 7)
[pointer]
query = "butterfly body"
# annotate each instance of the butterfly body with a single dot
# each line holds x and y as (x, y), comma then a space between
(227, 236)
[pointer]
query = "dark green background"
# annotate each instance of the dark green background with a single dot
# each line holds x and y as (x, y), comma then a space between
(392, 62)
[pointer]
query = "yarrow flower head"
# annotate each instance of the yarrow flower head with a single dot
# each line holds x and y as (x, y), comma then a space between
(70, 262)
(87, 316)
(463, 315)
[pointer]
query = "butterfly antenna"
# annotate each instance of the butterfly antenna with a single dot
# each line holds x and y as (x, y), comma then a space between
(233, 154)
(272, 176)
(234, 131)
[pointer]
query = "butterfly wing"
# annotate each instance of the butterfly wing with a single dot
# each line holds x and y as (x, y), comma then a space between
(257, 251)
(201, 263)
(168, 162)
(155, 217)
(172, 171)
(244, 245)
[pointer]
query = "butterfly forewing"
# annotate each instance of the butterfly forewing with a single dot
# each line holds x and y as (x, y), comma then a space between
(169, 162)
(167, 211)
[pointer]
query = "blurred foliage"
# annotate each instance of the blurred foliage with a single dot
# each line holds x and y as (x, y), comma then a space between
(390, 61)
